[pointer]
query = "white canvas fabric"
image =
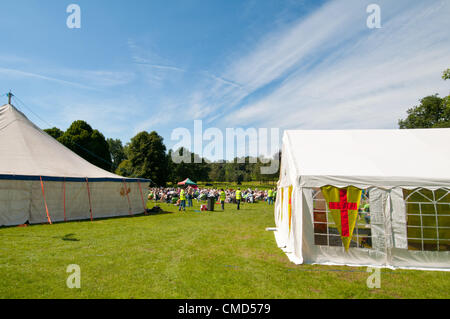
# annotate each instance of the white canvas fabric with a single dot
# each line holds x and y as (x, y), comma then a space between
(364, 158)
(27, 150)
(72, 188)
(383, 162)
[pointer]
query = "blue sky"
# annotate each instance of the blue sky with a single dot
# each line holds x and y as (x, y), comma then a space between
(158, 65)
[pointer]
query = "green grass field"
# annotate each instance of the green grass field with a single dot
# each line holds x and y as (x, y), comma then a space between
(184, 255)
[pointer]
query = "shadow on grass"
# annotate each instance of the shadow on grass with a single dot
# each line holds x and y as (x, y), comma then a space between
(69, 237)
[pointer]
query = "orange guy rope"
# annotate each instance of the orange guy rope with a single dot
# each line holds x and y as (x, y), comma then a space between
(142, 197)
(45, 202)
(128, 197)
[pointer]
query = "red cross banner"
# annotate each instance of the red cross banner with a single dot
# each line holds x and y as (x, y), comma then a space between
(343, 204)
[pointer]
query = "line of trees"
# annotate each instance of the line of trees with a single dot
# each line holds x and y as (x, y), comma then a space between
(146, 156)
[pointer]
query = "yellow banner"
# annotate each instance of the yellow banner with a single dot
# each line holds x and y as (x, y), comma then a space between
(343, 204)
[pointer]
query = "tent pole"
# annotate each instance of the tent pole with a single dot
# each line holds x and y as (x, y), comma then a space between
(10, 95)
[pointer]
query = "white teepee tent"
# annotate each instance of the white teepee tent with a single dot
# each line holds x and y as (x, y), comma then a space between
(404, 216)
(43, 181)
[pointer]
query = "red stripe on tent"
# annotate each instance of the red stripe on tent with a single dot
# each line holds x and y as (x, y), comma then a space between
(45, 202)
(64, 190)
(89, 195)
(128, 197)
(142, 197)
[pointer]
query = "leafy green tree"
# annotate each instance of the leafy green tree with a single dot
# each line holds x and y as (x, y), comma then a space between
(230, 172)
(446, 75)
(147, 155)
(117, 152)
(88, 143)
(54, 132)
(242, 170)
(433, 111)
(125, 169)
(180, 171)
(217, 172)
(197, 169)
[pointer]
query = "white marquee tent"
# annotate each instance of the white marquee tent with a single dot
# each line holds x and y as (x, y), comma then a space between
(405, 180)
(42, 181)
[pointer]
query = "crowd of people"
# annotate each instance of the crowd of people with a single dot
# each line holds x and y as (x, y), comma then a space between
(176, 195)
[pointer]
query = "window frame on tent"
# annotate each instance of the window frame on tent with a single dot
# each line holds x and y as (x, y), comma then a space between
(412, 202)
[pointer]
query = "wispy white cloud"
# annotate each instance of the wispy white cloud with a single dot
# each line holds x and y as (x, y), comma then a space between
(283, 50)
(84, 79)
(277, 55)
(325, 70)
(113, 117)
(162, 113)
(24, 74)
(222, 80)
(161, 67)
(152, 67)
(13, 59)
(364, 78)
(98, 78)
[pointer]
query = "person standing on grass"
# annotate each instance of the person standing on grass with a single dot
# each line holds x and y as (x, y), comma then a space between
(191, 196)
(188, 197)
(270, 197)
(238, 197)
(222, 196)
(182, 200)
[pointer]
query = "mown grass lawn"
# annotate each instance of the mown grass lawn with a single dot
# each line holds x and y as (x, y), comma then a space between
(184, 255)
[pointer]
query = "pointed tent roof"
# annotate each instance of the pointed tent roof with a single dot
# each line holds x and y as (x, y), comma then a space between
(26, 150)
